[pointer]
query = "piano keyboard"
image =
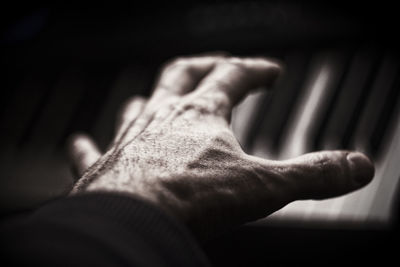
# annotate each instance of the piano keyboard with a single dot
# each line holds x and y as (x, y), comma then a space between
(332, 99)
(44, 107)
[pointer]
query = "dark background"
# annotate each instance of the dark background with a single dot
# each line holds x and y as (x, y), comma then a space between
(88, 47)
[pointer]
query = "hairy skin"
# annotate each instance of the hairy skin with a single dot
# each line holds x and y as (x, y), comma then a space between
(177, 151)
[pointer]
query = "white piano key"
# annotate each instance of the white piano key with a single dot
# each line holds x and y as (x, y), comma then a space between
(244, 113)
(356, 81)
(22, 107)
(129, 82)
(370, 204)
(380, 206)
(375, 200)
(319, 88)
(312, 105)
(375, 103)
(61, 104)
(355, 206)
(267, 139)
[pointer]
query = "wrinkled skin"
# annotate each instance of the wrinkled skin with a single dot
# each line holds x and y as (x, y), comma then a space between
(177, 151)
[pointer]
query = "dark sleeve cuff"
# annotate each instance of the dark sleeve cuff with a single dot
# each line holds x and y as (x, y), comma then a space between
(101, 229)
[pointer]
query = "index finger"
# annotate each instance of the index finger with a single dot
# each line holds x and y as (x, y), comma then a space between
(182, 74)
(233, 78)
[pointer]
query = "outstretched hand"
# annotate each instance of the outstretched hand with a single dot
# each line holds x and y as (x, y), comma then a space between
(177, 151)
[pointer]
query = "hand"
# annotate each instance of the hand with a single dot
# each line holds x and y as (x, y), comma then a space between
(177, 151)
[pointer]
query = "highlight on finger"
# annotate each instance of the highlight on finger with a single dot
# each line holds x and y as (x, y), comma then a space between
(129, 112)
(236, 77)
(82, 152)
(181, 75)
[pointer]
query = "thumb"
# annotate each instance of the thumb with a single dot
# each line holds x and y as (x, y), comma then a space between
(327, 174)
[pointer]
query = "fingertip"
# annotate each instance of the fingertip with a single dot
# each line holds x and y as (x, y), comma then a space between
(75, 140)
(279, 66)
(361, 167)
(269, 69)
(276, 70)
(325, 174)
(81, 146)
(82, 152)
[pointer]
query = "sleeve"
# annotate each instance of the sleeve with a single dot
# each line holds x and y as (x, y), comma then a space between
(98, 229)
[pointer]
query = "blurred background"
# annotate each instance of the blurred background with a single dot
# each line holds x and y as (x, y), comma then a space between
(68, 69)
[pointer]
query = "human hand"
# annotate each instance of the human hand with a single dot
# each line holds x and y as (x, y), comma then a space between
(177, 151)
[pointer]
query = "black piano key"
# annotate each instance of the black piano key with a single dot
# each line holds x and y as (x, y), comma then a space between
(24, 106)
(375, 198)
(356, 81)
(386, 117)
(62, 102)
(375, 104)
(340, 65)
(244, 123)
(97, 80)
(389, 181)
(324, 76)
(12, 80)
(129, 82)
(278, 105)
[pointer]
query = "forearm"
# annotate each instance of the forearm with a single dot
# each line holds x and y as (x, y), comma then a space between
(99, 228)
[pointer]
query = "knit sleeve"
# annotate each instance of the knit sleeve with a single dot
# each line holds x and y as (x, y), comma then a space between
(99, 229)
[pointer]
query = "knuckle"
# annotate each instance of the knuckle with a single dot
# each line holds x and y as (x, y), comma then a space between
(317, 175)
(220, 100)
(214, 102)
(220, 147)
(326, 166)
(224, 140)
(328, 169)
(200, 107)
(165, 109)
(330, 172)
(232, 71)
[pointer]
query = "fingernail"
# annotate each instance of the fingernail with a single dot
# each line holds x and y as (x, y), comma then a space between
(362, 169)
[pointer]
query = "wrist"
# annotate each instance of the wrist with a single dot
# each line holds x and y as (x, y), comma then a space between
(123, 183)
